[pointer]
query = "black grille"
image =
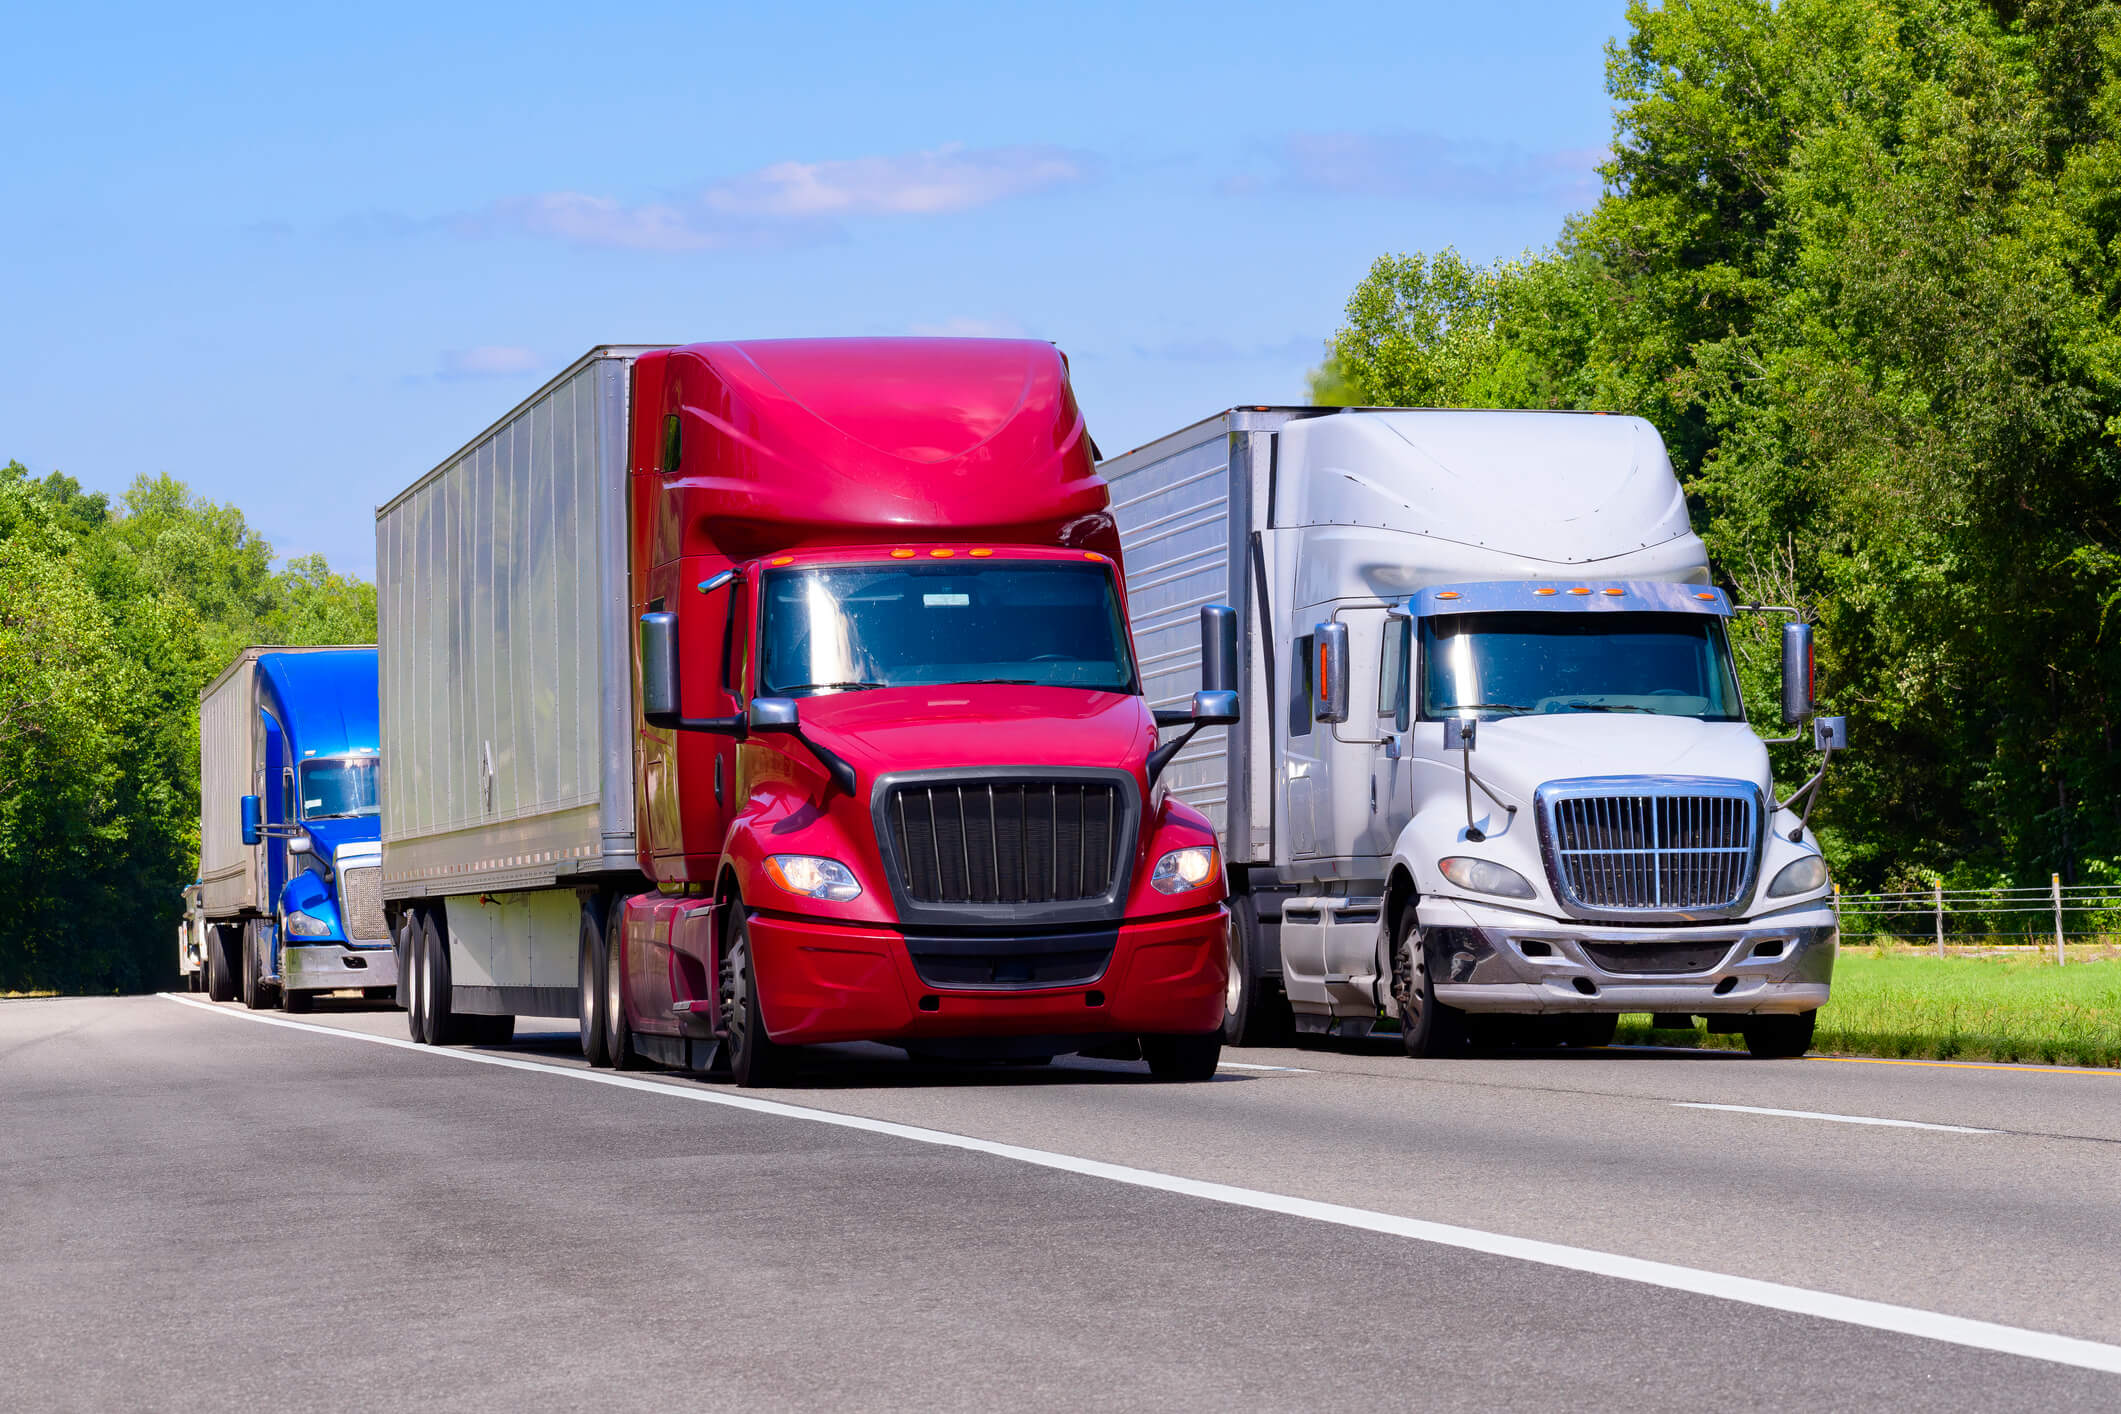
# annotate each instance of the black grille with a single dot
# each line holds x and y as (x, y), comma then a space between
(1653, 852)
(1006, 841)
(1657, 957)
(1053, 960)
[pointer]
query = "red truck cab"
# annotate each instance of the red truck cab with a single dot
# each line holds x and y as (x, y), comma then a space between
(897, 779)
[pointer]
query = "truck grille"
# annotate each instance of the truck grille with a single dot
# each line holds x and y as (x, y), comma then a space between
(361, 904)
(1007, 842)
(1690, 850)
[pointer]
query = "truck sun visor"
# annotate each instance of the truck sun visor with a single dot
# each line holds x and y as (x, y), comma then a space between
(1573, 597)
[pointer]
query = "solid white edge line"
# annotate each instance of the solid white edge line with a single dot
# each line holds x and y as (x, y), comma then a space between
(1837, 1119)
(1248, 1065)
(1774, 1296)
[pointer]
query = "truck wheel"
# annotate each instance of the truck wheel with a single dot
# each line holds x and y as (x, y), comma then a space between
(1254, 1011)
(1427, 1027)
(256, 994)
(220, 975)
(619, 1052)
(754, 1059)
(1183, 1057)
(442, 1029)
(409, 991)
(589, 987)
(1779, 1037)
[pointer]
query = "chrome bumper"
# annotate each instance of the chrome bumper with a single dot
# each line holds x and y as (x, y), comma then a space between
(326, 967)
(1492, 960)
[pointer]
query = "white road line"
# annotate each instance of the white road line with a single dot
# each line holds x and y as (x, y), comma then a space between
(1774, 1296)
(1247, 1065)
(1838, 1119)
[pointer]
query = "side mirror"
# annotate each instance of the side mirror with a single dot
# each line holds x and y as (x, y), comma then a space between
(1796, 672)
(1214, 709)
(1218, 650)
(253, 820)
(659, 669)
(298, 842)
(773, 714)
(1332, 677)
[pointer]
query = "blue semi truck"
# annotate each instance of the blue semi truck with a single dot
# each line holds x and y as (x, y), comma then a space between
(289, 900)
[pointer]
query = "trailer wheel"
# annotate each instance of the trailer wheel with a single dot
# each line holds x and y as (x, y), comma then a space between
(220, 975)
(1183, 1058)
(1779, 1037)
(1254, 1011)
(619, 1052)
(754, 1059)
(1426, 1026)
(442, 1028)
(589, 987)
(409, 988)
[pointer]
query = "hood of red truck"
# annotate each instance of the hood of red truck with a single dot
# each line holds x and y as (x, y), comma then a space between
(987, 724)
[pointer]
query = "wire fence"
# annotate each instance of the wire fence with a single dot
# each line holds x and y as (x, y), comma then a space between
(2002, 917)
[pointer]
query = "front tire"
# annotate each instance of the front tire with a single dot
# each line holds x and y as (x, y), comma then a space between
(589, 984)
(1779, 1037)
(619, 1052)
(1183, 1058)
(1427, 1028)
(220, 973)
(754, 1059)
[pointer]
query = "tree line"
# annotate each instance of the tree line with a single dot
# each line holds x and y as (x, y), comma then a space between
(1860, 262)
(112, 618)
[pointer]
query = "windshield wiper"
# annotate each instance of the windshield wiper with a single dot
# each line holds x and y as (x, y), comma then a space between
(1609, 707)
(821, 686)
(1484, 707)
(1006, 682)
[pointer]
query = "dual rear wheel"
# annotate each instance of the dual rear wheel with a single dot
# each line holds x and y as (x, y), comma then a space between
(430, 1004)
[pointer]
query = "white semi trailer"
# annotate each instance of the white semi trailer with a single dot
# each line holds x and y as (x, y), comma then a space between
(1494, 778)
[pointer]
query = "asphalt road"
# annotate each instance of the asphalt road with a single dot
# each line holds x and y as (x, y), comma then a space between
(204, 1211)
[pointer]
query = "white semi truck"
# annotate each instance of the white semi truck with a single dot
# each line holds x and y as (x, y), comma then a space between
(1494, 779)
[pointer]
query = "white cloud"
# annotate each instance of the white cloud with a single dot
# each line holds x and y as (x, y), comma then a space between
(490, 361)
(790, 200)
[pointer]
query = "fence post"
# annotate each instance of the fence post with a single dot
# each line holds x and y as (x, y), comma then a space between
(2055, 883)
(1937, 900)
(1837, 908)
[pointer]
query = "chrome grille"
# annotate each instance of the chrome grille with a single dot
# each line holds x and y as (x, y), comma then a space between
(361, 904)
(1006, 842)
(1685, 850)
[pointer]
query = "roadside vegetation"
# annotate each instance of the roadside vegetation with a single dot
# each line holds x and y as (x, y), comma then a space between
(112, 617)
(1900, 1003)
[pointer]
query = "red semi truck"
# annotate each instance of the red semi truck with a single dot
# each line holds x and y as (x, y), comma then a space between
(741, 696)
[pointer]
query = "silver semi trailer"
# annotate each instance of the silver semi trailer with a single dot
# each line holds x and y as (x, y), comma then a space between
(1493, 775)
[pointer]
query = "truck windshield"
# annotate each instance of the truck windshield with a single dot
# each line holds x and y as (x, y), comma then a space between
(1672, 665)
(848, 627)
(340, 789)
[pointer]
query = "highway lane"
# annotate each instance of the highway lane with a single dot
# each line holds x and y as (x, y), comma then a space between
(200, 1206)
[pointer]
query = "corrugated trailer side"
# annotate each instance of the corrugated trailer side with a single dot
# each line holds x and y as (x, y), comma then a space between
(504, 659)
(229, 870)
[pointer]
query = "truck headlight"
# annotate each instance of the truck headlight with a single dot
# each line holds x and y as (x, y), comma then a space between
(307, 925)
(1184, 869)
(1484, 876)
(1803, 876)
(814, 876)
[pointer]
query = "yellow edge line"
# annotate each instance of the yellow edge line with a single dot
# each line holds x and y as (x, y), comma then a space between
(1970, 1065)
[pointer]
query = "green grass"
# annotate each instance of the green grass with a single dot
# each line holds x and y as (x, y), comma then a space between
(1955, 1008)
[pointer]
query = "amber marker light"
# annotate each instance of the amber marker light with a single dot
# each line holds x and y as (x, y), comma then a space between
(1544, 593)
(941, 554)
(1709, 597)
(784, 559)
(901, 554)
(981, 554)
(1449, 594)
(1093, 555)
(1616, 592)
(1579, 590)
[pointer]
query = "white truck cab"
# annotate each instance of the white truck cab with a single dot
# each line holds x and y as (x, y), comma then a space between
(1495, 779)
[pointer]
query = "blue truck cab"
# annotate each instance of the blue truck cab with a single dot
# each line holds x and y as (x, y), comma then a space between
(314, 814)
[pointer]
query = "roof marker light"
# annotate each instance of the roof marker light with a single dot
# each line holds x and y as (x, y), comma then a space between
(1093, 555)
(981, 554)
(1616, 591)
(1579, 589)
(941, 554)
(901, 554)
(1448, 594)
(1544, 593)
(784, 559)
(1710, 597)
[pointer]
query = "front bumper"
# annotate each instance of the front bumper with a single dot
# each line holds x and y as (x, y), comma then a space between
(326, 967)
(823, 982)
(1495, 960)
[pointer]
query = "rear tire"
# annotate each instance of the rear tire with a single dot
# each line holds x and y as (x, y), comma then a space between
(619, 1052)
(220, 975)
(410, 985)
(1779, 1037)
(754, 1059)
(442, 1022)
(1183, 1058)
(1427, 1028)
(589, 984)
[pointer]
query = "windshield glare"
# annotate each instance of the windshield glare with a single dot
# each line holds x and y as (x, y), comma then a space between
(1498, 665)
(847, 627)
(340, 790)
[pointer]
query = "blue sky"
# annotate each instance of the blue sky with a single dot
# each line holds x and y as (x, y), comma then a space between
(295, 256)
